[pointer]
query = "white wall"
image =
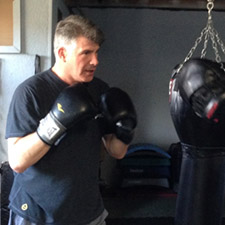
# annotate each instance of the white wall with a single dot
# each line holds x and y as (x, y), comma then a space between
(36, 23)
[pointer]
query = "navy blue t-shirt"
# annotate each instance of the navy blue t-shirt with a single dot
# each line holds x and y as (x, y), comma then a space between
(62, 187)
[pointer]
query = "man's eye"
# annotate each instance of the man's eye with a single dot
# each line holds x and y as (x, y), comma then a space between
(86, 52)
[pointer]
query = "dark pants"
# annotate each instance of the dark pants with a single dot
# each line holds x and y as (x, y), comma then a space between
(14, 219)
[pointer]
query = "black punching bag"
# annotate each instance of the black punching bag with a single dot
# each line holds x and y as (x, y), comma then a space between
(197, 107)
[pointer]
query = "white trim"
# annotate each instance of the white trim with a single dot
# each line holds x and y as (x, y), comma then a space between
(16, 48)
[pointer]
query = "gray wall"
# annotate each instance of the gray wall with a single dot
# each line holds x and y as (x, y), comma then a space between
(142, 47)
(38, 19)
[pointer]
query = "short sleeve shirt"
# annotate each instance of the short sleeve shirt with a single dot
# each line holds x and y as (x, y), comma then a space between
(61, 188)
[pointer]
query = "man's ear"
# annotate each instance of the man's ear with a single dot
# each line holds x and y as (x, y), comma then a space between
(62, 54)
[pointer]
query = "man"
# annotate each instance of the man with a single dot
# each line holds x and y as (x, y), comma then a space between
(56, 123)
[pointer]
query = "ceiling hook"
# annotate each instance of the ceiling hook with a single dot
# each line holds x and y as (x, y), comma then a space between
(210, 6)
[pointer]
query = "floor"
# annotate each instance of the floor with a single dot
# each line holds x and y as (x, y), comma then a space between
(138, 202)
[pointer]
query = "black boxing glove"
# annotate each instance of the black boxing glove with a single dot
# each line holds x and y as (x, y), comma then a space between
(202, 82)
(119, 114)
(205, 103)
(72, 105)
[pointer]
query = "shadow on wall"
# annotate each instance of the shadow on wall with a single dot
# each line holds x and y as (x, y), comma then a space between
(1, 115)
(0, 78)
(1, 147)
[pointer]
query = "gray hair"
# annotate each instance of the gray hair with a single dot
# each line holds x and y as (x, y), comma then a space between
(74, 26)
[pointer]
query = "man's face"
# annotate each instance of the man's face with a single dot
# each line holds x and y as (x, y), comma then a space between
(81, 60)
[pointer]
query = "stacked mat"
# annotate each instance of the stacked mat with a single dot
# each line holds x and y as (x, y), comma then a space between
(145, 164)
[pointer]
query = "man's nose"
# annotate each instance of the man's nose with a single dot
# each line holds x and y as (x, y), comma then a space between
(94, 60)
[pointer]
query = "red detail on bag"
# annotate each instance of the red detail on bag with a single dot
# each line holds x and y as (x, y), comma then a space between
(212, 110)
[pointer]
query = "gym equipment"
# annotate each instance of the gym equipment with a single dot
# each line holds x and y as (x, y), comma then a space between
(145, 164)
(119, 114)
(197, 106)
(175, 151)
(72, 105)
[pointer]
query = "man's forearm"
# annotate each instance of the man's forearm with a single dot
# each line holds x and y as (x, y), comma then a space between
(114, 146)
(25, 151)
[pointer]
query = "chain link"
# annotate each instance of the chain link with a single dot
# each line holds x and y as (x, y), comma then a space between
(210, 6)
(189, 55)
(208, 33)
(203, 52)
(220, 42)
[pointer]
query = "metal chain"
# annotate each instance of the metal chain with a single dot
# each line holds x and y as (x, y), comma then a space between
(189, 55)
(220, 42)
(203, 52)
(208, 32)
(210, 6)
